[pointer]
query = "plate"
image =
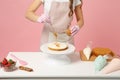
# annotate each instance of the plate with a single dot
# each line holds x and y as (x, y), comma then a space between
(44, 48)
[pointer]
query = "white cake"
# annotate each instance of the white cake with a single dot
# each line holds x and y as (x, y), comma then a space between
(57, 46)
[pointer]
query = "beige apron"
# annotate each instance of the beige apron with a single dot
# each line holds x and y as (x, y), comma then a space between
(60, 21)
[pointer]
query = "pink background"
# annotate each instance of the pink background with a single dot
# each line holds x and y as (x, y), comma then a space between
(17, 34)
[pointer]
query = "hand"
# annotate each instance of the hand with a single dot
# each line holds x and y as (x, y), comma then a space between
(72, 31)
(68, 32)
(44, 18)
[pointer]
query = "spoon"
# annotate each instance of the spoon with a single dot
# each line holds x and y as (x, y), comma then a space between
(20, 61)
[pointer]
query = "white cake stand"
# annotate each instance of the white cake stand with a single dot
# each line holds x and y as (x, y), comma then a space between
(57, 57)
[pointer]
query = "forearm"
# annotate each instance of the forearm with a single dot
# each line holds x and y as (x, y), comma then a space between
(79, 16)
(80, 23)
(80, 20)
(30, 13)
(31, 16)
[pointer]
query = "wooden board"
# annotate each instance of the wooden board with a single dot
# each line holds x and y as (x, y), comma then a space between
(92, 58)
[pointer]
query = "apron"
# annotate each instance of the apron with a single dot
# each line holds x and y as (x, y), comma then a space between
(60, 21)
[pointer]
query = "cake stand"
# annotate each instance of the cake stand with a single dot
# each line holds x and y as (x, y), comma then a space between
(57, 57)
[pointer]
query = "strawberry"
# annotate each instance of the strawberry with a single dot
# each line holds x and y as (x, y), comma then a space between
(8, 65)
(4, 62)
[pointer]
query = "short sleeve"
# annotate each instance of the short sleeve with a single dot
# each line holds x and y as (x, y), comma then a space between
(77, 2)
(43, 1)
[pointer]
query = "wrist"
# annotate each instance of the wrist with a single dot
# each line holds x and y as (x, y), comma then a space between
(39, 19)
(74, 28)
(77, 27)
(43, 18)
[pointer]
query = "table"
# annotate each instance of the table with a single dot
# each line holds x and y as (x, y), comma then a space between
(78, 69)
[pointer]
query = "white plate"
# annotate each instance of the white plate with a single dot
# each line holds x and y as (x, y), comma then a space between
(44, 48)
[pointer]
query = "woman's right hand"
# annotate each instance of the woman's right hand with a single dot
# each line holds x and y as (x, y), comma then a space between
(44, 18)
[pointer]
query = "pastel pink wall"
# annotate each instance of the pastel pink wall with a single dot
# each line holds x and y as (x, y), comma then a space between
(102, 26)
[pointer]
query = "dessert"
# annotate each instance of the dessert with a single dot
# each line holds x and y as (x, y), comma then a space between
(8, 65)
(57, 46)
(25, 68)
(102, 51)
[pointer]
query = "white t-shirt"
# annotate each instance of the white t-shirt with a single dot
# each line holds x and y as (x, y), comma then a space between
(47, 4)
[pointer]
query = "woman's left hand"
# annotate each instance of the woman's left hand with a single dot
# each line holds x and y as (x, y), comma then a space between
(68, 32)
(72, 31)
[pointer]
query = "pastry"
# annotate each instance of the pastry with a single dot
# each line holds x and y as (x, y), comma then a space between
(113, 66)
(101, 51)
(25, 68)
(57, 46)
(99, 63)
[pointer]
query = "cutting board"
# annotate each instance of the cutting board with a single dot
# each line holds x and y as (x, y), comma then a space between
(92, 57)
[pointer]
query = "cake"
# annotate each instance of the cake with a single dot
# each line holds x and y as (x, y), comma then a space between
(57, 46)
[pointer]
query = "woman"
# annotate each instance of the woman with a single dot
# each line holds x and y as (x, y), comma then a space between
(57, 18)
